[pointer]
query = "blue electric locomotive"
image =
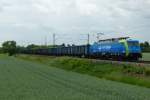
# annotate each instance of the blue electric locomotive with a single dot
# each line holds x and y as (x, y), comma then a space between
(116, 48)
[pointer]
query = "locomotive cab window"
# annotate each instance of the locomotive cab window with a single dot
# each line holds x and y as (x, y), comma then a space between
(130, 43)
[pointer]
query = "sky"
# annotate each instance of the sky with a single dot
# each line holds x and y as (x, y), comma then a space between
(35, 21)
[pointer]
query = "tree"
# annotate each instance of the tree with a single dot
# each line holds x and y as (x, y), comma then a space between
(32, 46)
(73, 45)
(63, 45)
(9, 47)
(146, 44)
(1, 50)
(20, 49)
(68, 45)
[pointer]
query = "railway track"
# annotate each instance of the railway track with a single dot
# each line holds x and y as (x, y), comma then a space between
(138, 63)
(144, 62)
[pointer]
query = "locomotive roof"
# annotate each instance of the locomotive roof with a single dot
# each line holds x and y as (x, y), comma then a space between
(133, 40)
(114, 39)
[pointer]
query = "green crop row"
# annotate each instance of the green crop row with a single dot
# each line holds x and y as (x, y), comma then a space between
(31, 80)
(136, 75)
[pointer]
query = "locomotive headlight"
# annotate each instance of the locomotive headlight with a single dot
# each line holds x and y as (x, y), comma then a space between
(123, 51)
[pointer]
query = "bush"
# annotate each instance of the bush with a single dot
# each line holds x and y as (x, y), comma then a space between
(147, 72)
(9, 47)
(133, 69)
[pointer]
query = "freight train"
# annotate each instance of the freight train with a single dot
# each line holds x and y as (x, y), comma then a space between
(115, 49)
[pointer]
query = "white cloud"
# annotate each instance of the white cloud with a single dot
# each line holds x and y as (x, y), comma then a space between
(32, 20)
(87, 8)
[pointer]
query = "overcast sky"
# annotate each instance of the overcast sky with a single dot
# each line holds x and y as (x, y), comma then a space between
(31, 21)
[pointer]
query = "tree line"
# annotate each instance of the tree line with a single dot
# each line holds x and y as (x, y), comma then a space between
(145, 46)
(11, 48)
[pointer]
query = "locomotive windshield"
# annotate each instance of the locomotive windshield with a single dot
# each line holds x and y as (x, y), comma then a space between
(133, 43)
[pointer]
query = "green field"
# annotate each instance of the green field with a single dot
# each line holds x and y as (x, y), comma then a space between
(125, 73)
(26, 80)
(146, 56)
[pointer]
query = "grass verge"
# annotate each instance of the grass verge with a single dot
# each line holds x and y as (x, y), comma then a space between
(136, 75)
(146, 56)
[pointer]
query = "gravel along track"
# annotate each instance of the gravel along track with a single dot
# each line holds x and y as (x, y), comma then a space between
(25, 80)
(139, 63)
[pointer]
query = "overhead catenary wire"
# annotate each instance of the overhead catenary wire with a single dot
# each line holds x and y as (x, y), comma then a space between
(78, 39)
